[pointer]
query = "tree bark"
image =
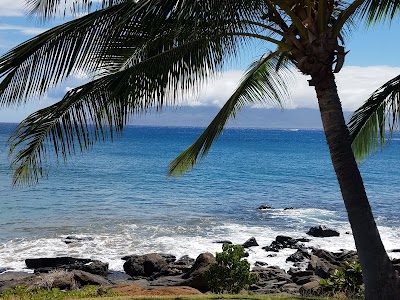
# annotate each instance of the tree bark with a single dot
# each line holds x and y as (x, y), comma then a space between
(380, 279)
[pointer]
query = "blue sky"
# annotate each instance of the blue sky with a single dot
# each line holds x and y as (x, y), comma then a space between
(372, 60)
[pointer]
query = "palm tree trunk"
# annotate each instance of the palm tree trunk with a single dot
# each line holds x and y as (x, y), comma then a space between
(380, 279)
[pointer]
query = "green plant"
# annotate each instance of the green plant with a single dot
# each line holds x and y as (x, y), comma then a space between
(21, 293)
(349, 280)
(231, 273)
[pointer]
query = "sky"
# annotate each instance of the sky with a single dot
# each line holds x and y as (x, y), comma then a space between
(373, 59)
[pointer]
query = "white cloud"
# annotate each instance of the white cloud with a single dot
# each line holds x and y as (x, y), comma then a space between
(355, 84)
(12, 8)
(22, 29)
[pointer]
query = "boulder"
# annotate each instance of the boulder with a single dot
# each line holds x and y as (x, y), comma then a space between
(260, 264)
(185, 260)
(321, 267)
(86, 278)
(196, 277)
(303, 240)
(299, 256)
(312, 288)
(223, 242)
(266, 274)
(147, 265)
(346, 255)
(180, 266)
(322, 231)
(169, 258)
(167, 281)
(286, 241)
(251, 242)
(75, 239)
(264, 206)
(10, 280)
(45, 265)
(65, 280)
(281, 242)
(53, 262)
(288, 208)
(60, 279)
(290, 288)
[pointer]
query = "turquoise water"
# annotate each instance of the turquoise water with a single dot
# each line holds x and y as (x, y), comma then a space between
(120, 195)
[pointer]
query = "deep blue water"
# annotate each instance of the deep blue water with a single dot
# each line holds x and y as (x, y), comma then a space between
(119, 192)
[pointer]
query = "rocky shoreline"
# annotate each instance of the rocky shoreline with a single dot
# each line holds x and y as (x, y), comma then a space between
(155, 270)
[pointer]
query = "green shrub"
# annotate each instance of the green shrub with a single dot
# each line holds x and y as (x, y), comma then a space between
(348, 281)
(231, 273)
(21, 293)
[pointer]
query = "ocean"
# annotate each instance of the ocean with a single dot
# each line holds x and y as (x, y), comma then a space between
(119, 196)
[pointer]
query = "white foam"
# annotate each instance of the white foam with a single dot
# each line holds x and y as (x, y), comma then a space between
(134, 239)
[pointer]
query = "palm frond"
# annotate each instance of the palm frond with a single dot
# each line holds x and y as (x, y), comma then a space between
(373, 124)
(45, 9)
(101, 108)
(261, 83)
(31, 68)
(376, 10)
(93, 42)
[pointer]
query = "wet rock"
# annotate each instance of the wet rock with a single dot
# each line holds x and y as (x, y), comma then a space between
(53, 262)
(251, 242)
(169, 258)
(260, 264)
(282, 242)
(322, 231)
(75, 239)
(286, 241)
(299, 256)
(185, 260)
(274, 247)
(152, 264)
(303, 240)
(288, 208)
(264, 206)
(196, 277)
(223, 242)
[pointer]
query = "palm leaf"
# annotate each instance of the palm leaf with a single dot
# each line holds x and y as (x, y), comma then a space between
(374, 122)
(261, 83)
(375, 10)
(31, 68)
(92, 43)
(45, 9)
(98, 109)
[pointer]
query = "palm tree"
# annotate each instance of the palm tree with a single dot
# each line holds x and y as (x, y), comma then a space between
(145, 54)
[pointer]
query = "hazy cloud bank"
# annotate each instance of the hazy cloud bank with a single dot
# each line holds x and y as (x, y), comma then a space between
(355, 84)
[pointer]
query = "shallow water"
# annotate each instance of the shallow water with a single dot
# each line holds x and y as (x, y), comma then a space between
(120, 195)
